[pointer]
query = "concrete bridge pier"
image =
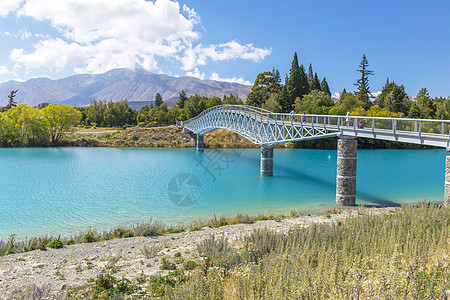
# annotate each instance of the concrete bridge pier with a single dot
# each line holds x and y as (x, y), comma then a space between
(447, 181)
(346, 171)
(200, 142)
(266, 160)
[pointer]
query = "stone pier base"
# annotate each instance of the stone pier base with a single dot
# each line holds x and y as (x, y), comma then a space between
(447, 182)
(200, 142)
(346, 171)
(267, 160)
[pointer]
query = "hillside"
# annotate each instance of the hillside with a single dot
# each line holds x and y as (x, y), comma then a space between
(138, 86)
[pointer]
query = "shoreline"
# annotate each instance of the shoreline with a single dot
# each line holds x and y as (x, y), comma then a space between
(76, 266)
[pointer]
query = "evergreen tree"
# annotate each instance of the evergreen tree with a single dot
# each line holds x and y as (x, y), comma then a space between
(426, 104)
(293, 84)
(393, 97)
(363, 91)
(310, 75)
(304, 84)
(344, 91)
(276, 75)
(11, 102)
(324, 87)
(284, 101)
(315, 85)
(158, 100)
(181, 99)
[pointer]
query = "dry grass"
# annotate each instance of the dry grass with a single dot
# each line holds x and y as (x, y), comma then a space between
(403, 255)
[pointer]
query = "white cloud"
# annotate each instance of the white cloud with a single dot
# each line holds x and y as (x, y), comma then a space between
(25, 34)
(7, 6)
(196, 73)
(199, 55)
(96, 36)
(4, 70)
(215, 76)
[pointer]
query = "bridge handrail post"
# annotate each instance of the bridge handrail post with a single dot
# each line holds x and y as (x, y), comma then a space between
(415, 126)
(373, 126)
(338, 123)
(442, 128)
(420, 129)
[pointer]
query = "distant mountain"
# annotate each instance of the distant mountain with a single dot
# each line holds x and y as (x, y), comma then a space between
(138, 86)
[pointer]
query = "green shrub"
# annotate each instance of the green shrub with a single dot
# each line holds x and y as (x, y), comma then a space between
(190, 265)
(167, 265)
(88, 238)
(56, 244)
(70, 242)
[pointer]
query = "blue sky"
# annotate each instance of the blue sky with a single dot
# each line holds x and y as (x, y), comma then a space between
(407, 41)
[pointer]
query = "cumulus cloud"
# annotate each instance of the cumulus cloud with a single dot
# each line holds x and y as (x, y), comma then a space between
(215, 76)
(96, 36)
(4, 70)
(7, 6)
(196, 73)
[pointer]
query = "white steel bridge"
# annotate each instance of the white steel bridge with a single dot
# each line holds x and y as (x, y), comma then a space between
(267, 128)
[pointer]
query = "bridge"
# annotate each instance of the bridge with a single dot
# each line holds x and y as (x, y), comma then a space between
(266, 129)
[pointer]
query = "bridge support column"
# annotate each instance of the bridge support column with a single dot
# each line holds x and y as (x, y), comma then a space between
(266, 160)
(346, 171)
(447, 181)
(200, 142)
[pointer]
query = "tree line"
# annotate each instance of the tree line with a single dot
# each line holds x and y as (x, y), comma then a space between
(304, 93)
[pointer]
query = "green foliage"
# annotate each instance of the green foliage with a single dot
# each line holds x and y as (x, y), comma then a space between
(181, 99)
(394, 98)
(158, 100)
(89, 238)
(56, 244)
(167, 265)
(348, 102)
(324, 87)
(316, 102)
(297, 84)
(11, 102)
(190, 265)
(273, 103)
(265, 85)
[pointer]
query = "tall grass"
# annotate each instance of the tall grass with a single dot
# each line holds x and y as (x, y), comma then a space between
(404, 255)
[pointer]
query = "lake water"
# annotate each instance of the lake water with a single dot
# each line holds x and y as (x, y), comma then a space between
(67, 190)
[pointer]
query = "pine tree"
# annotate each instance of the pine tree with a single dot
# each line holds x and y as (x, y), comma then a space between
(304, 84)
(324, 87)
(158, 100)
(315, 85)
(293, 84)
(363, 92)
(181, 99)
(344, 91)
(310, 75)
(11, 102)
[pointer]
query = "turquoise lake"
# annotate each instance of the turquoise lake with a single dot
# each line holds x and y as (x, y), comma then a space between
(67, 190)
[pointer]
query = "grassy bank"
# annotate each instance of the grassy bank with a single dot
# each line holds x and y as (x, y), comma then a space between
(403, 255)
(400, 254)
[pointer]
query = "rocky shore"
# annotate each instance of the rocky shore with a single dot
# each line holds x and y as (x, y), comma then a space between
(75, 267)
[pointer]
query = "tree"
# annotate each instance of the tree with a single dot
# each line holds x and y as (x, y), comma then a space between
(11, 102)
(425, 104)
(315, 85)
(310, 75)
(297, 84)
(363, 91)
(60, 119)
(193, 106)
(324, 87)
(347, 103)
(181, 99)
(272, 104)
(265, 85)
(393, 97)
(232, 99)
(316, 102)
(158, 100)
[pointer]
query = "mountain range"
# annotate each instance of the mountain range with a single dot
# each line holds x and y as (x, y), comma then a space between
(138, 86)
